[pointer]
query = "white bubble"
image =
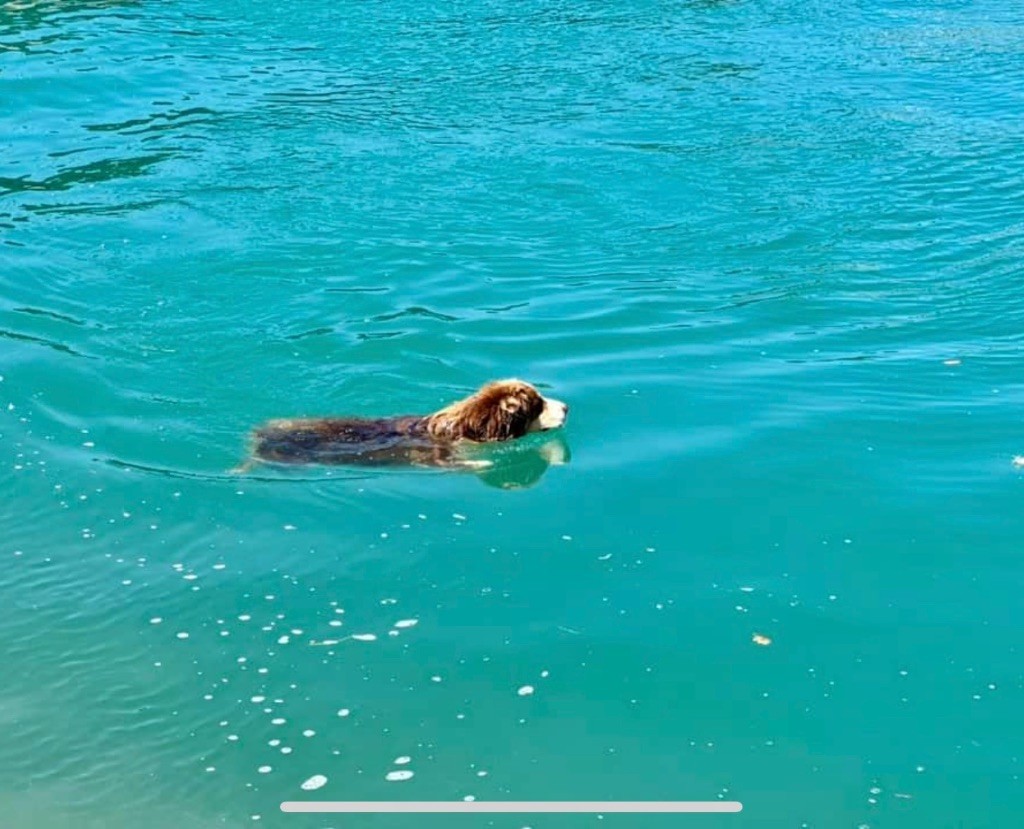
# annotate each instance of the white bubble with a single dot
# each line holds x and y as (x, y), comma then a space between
(156, 620)
(183, 635)
(365, 637)
(525, 691)
(309, 732)
(264, 769)
(401, 761)
(278, 721)
(344, 712)
(398, 776)
(258, 699)
(406, 623)
(317, 781)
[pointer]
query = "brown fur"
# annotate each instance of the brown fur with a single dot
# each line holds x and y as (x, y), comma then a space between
(500, 411)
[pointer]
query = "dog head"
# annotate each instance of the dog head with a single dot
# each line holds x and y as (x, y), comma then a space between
(501, 410)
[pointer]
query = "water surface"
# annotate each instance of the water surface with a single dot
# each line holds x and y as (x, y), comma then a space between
(769, 253)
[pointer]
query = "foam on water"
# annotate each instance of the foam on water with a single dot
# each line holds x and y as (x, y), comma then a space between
(317, 781)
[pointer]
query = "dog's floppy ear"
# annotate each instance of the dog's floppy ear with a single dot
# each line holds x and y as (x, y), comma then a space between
(509, 413)
(506, 417)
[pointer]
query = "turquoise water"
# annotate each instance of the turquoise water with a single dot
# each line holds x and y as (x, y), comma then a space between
(768, 252)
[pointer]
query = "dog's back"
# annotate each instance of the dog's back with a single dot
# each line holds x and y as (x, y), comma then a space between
(358, 441)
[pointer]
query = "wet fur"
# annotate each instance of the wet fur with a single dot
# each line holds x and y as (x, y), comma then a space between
(500, 411)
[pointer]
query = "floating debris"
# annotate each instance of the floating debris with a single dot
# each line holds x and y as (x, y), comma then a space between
(761, 639)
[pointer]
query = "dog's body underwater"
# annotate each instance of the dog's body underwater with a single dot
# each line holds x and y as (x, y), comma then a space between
(500, 411)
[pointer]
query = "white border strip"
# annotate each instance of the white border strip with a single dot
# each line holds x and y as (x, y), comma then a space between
(510, 806)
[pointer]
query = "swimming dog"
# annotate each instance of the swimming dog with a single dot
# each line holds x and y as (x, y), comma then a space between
(500, 411)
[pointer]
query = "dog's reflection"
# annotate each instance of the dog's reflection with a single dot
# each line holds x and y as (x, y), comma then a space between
(513, 465)
(522, 465)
